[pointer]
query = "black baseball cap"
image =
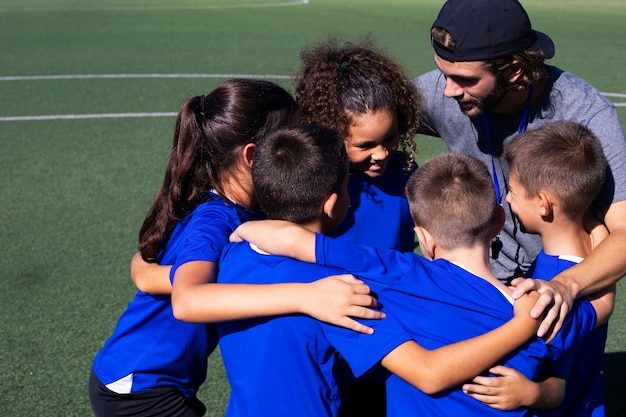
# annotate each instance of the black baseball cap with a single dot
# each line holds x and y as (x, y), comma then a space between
(488, 29)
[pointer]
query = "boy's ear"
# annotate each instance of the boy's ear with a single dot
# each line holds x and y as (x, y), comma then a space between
(426, 241)
(329, 205)
(500, 219)
(248, 154)
(545, 204)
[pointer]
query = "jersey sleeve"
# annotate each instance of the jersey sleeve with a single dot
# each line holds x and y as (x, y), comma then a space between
(386, 264)
(363, 351)
(207, 235)
(578, 324)
(560, 367)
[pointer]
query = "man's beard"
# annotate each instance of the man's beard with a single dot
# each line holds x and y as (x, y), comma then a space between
(490, 101)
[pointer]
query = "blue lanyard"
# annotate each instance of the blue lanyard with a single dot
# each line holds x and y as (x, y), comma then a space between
(522, 127)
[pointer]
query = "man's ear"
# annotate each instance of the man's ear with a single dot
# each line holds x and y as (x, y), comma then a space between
(426, 241)
(329, 205)
(248, 154)
(514, 72)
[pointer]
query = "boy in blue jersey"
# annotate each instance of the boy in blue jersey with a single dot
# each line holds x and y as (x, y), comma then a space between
(283, 366)
(555, 173)
(447, 296)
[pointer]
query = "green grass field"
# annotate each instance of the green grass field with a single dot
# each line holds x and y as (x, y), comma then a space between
(75, 188)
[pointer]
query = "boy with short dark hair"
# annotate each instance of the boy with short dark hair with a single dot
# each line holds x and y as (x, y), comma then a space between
(450, 296)
(282, 366)
(555, 173)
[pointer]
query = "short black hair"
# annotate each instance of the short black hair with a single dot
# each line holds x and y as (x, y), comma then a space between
(295, 169)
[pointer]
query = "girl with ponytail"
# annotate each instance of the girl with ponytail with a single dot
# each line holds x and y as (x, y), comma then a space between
(154, 363)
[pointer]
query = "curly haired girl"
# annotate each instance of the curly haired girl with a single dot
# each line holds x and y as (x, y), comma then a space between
(359, 90)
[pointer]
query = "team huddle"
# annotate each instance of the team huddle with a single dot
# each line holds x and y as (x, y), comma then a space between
(339, 278)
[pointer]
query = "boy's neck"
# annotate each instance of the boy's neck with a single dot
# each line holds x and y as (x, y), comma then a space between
(566, 238)
(474, 259)
(314, 226)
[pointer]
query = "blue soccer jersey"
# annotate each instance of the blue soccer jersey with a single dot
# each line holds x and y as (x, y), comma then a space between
(282, 366)
(584, 396)
(379, 211)
(149, 348)
(440, 303)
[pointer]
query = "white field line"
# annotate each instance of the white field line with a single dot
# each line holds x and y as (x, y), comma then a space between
(119, 76)
(133, 8)
(154, 114)
(84, 116)
(122, 76)
(618, 95)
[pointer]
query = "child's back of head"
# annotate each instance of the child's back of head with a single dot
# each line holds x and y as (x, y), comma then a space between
(452, 196)
(296, 169)
(563, 158)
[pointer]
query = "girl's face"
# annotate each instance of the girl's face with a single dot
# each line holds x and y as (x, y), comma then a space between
(372, 139)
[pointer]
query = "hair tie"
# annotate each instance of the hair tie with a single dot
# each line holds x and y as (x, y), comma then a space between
(201, 113)
(345, 64)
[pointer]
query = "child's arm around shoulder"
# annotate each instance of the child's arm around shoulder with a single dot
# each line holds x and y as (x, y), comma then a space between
(291, 240)
(150, 278)
(510, 389)
(198, 298)
(434, 370)
(278, 237)
(337, 299)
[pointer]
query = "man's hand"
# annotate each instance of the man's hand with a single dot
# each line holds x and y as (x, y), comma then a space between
(556, 300)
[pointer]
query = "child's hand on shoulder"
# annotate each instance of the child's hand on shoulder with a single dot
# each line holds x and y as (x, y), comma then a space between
(339, 299)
